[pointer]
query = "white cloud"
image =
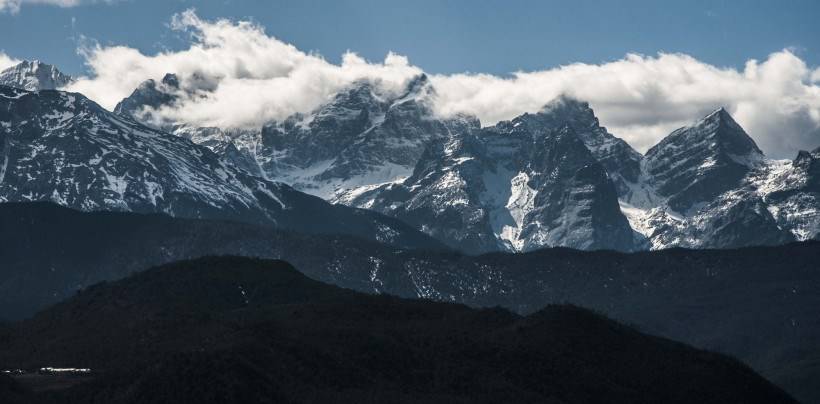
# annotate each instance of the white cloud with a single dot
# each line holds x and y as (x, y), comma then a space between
(13, 6)
(7, 61)
(256, 77)
(641, 99)
(252, 78)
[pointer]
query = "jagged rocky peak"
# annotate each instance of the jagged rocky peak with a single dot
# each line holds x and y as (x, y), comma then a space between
(560, 112)
(305, 139)
(792, 191)
(363, 136)
(572, 200)
(621, 161)
(565, 110)
(150, 94)
(419, 88)
(718, 133)
(517, 186)
(357, 106)
(569, 106)
(171, 80)
(732, 139)
(358, 95)
(807, 159)
(694, 164)
(805, 175)
(365, 96)
(34, 76)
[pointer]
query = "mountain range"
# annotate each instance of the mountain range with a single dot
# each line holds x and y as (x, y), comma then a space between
(551, 178)
(62, 147)
(376, 192)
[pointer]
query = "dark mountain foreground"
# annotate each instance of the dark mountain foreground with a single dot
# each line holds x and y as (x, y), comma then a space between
(756, 304)
(238, 330)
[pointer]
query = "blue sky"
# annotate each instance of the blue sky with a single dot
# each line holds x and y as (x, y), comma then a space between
(442, 36)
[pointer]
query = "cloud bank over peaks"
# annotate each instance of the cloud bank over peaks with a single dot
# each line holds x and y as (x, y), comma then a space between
(236, 75)
(641, 98)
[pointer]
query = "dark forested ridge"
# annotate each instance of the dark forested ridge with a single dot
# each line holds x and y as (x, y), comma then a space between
(757, 304)
(237, 330)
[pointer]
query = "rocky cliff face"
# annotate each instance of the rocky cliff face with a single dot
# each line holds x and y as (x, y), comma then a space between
(519, 185)
(695, 164)
(621, 161)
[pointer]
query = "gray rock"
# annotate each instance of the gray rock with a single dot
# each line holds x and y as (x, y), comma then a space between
(34, 76)
(519, 185)
(695, 164)
(149, 95)
(64, 148)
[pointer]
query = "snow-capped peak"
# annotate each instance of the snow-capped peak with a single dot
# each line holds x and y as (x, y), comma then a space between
(34, 76)
(718, 131)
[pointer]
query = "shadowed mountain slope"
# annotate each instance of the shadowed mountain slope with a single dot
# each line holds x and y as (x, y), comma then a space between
(757, 304)
(235, 329)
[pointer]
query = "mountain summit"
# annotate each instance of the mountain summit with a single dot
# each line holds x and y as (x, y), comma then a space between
(34, 76)
(697, 163)
(621, 161)
(149, 94)
(520, 185)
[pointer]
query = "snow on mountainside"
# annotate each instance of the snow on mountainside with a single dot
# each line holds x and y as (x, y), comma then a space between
(34, 76)
(64, 148)
(359, 138)
(622, 162)
(695, 164)
(705, 185)
(792, 193)
(520, 185)
(715, 189)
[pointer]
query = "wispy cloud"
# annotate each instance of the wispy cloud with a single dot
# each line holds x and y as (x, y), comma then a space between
(13, 6)
(240, 76)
